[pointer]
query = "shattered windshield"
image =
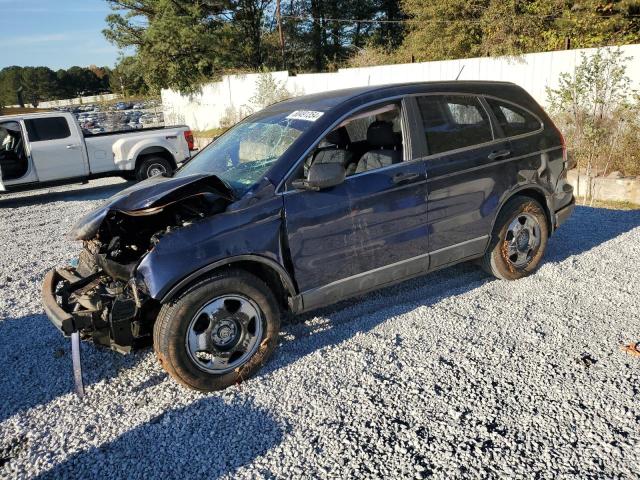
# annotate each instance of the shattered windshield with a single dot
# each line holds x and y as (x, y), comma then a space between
(242, 156)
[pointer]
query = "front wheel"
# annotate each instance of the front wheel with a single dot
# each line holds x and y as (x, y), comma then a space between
(518, 241)
(219, 332)
(152, 167)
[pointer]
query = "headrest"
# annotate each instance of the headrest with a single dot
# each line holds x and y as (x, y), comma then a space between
(380, 134)
(339, 137)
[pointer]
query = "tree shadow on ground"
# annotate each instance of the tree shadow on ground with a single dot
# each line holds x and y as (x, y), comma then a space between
(587, 228)
(36, 364)
(25, 199)
(205, 439)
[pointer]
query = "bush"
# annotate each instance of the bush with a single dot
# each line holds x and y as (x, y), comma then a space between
(598, 114)
(269, 91)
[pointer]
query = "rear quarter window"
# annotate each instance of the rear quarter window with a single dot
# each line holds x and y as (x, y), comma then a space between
(51, 128)
(512, 119)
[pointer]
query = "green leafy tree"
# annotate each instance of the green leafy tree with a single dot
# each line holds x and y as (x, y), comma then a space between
(127, 78)
(179, 43)
(10, 82)
(460, 28)
(597, 112)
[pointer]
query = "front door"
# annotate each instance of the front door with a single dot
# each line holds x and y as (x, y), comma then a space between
(56, 149)
(14, 162)
(370, 230)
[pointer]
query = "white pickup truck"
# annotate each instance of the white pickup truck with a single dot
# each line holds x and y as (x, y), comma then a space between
(43, 149)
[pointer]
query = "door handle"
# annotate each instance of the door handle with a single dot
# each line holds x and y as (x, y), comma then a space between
(400, 178)
(71, 147)
(499, 154)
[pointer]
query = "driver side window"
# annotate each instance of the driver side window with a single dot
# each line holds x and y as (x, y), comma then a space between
(365, 141)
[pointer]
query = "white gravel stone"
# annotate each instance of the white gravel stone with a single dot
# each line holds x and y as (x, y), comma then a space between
(450, 375)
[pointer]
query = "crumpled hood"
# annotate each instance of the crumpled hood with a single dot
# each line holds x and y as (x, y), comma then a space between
(149, 195)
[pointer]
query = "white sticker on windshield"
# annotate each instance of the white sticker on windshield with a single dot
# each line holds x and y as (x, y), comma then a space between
(308, 115)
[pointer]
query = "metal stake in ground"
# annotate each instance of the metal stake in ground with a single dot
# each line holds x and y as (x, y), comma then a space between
(77, 365)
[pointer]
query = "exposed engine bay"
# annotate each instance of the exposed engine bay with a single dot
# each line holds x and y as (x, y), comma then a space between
(100, 291)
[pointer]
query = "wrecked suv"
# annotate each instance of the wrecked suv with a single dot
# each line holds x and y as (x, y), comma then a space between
(308, 202)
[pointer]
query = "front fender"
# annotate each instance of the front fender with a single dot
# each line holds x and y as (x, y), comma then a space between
(253, 231)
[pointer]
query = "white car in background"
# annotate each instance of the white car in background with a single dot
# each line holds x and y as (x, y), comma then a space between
(43, 149)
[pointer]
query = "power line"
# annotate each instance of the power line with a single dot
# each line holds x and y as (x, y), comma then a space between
(434, 20)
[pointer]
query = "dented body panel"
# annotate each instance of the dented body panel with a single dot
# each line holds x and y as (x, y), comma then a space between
(254, 230)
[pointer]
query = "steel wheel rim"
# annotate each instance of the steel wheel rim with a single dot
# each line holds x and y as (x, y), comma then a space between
(156, 169)
(224, 334)
(522, 240)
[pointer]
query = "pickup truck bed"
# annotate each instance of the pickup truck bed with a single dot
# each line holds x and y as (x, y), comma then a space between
(42, 149)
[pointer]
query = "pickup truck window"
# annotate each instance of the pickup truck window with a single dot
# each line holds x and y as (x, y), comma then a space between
(242, 156)
(50, 128)
(453, 121)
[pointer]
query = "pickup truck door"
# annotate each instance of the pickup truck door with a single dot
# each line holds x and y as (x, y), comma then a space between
(57, 149)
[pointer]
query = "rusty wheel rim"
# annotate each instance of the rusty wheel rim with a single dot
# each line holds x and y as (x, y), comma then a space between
(522, 240)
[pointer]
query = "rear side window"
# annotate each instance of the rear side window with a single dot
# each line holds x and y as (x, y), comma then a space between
(51, 128)
(451, 122)
(512, 119)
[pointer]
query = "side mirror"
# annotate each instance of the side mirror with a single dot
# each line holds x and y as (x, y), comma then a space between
(321, 176)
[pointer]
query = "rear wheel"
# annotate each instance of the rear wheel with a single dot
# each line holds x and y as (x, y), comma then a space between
(518, 241)
(152, 167)
(219, 332)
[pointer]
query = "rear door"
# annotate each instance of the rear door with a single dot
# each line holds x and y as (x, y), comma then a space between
(465, 165)
(56, 148)
(368, 231)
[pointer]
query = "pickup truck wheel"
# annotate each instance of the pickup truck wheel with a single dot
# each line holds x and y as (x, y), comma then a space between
(219, 332)
(518, 241)
(153, 166)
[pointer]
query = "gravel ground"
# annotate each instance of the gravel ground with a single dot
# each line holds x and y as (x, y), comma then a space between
(453, 374)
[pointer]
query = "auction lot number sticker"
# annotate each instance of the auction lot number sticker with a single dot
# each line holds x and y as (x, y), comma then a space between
(307, 115)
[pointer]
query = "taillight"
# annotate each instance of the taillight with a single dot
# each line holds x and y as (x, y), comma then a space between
(568, 163)
(564, 146)
(188, 136)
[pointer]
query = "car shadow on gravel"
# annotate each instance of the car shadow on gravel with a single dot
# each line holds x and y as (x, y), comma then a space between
(311, 332)
(36, 364)
(587, 228)
(206, 439)
(72, 195)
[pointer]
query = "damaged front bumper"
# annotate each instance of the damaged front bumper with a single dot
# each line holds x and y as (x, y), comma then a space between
(113, 314)
(65, 321)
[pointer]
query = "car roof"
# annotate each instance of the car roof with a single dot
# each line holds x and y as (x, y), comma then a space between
(323, 101)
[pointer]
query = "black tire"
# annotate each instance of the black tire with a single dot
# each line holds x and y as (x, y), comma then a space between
(176, 320)
(509, 256)
(151, 166)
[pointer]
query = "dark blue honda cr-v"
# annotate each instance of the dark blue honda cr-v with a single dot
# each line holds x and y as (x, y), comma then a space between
(307, 202)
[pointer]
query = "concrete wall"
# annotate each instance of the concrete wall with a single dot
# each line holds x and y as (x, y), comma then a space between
(534, 72)
(605, 188)
(78, 100)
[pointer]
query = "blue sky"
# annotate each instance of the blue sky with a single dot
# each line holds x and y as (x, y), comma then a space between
(54, 33)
